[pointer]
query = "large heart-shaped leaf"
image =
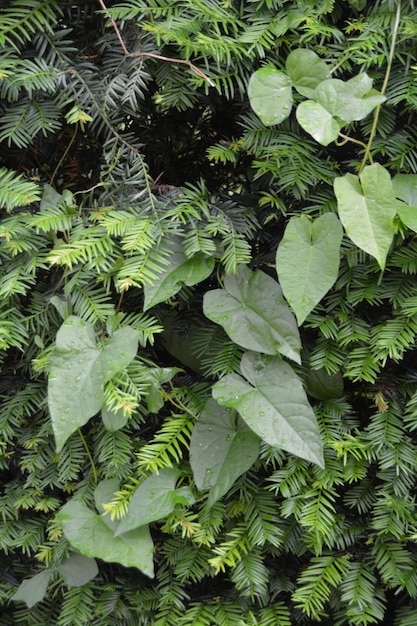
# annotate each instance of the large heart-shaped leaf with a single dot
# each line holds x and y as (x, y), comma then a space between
(318, 122)
(253, 312)
(180, 271)
(90, 535)
(367, 207)
(306, 70)
(154, 499)
(308, 261)
(270, 398)
(270, 95)
(78, 371)
(222, 447)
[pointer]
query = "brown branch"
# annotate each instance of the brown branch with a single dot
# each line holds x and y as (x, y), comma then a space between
(192, 67)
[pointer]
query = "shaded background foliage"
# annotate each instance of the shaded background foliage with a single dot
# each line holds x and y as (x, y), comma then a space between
(294, 544)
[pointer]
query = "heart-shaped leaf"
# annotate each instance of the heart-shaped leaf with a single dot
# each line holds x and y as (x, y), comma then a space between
(408, 215)
(254, 314)
(78, 371)
(306, 70)
(33, 590)
(180, 271)
(77, 570)
(221, 449)
(270, 398)
(270, 95)
(405, 188)
(308, 261)
(361, 84)
(90, 535)
(318, 122)
(154, 499)
(339, 99)
(367, 207)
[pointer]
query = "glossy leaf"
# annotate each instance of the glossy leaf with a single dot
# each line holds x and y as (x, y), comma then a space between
(306, 70)
(360, 85)
(367, 207)
(254, 314)
(89, 534)
(180, 271)
(33, 590)
(154, 499)
(78, 371)
(77, 570)
(339, 98)
(308, 261)
(222, 448)
(318, 122)
(270, 398)
(270, 95)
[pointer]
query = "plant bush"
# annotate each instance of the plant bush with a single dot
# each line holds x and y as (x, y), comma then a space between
(208, 397)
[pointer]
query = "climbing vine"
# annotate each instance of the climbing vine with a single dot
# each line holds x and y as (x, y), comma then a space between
(208, 312)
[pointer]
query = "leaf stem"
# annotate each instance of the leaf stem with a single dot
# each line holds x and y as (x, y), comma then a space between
(367, 156)
(346, 138)
(90, 458)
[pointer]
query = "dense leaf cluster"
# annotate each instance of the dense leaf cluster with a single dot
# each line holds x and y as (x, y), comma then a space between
(136, 182)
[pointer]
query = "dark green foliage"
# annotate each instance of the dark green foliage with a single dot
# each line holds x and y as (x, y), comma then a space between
(103, 154)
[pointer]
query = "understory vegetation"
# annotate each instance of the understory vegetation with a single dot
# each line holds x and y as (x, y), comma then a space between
(208, 313)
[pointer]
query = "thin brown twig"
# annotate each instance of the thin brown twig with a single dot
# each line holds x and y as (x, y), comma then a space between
(192, 67)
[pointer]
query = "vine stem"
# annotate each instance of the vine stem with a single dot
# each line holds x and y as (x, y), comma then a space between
(153, 55)
(367, 156)
(346, 138)
(90, 458)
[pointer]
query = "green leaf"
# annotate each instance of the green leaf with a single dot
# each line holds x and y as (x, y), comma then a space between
(270, 95)
(367, 207)
(405, 188)
(306, 70)
(157, 376)
(89, 534)
(361, 84)
(340, 99)
(79, 370)
(273, 403)
(324, 386)
(318, 122)
(180, 271)
(154, 499)
(308, 261)
(408, 215)
(33, 590)
(221, 449)
(77, 570)
(254, 314)
(113, 420)
(104, 493)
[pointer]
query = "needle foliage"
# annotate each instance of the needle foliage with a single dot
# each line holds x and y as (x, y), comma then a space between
(208, 313)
